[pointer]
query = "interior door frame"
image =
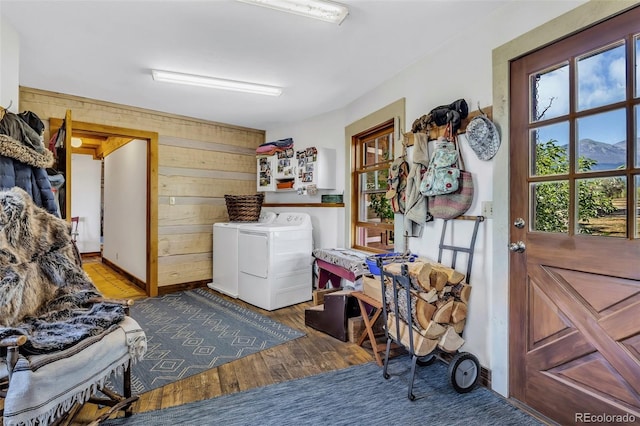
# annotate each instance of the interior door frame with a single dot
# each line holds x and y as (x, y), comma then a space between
(151, 284)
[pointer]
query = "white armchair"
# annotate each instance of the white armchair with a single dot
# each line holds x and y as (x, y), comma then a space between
(51, 388)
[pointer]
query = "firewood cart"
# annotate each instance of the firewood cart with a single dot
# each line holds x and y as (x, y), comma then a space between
(434, 332)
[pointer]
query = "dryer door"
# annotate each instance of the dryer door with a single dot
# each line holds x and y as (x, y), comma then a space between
(253, 253)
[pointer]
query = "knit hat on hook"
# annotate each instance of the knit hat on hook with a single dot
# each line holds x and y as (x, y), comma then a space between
(483, 137)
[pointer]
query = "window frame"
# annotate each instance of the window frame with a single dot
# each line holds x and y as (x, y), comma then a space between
(359, 167)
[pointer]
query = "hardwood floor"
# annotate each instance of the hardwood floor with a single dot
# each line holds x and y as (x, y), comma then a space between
(311, 354)
(110, 283)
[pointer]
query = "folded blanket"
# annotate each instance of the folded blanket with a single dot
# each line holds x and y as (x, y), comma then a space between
(281, 143)
(351, 260)
(44, 292)
(44, 386)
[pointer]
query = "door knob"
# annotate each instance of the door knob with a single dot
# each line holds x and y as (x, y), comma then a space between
(517, 247)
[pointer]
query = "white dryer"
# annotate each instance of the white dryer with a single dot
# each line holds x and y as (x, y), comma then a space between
(275, 262)
(225, 253)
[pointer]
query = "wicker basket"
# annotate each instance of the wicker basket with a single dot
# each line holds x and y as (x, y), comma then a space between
(244, 208)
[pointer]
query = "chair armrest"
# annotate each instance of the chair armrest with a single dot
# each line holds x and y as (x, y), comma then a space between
(12, 344)
(13, 341)
(127, 303)
(123, 302)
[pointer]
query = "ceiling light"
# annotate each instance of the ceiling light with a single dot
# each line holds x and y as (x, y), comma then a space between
(319, 9)
(76, 142)
(216, 83)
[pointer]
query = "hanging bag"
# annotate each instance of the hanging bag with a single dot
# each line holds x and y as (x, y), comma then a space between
(449, 206)
(443, 171)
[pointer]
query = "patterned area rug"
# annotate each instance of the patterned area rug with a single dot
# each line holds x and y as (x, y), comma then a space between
(192, 331)
(357, 395)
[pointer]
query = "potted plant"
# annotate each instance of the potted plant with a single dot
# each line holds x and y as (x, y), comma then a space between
(381, 206)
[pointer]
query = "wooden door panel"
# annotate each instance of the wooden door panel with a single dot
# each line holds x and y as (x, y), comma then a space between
(600, 297)
(549, 324)
(597, 357)
(593, 373)
(562, 397)
(604, 256)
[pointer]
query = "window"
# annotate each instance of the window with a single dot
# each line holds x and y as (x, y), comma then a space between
(583, 127)
(371, 212)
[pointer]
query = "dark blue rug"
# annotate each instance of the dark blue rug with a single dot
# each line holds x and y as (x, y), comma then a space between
(192, 331)
(357, 395)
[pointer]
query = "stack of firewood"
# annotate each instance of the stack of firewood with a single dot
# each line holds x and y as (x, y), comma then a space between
(438, 306)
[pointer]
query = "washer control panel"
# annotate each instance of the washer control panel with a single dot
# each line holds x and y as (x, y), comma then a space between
(294, 219)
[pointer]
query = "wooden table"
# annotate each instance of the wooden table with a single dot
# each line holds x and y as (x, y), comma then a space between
(369, 321)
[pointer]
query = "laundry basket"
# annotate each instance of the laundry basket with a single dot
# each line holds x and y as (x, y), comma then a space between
(244, 208)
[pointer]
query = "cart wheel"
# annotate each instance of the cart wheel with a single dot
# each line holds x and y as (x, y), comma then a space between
(426, 360)
(464, 372)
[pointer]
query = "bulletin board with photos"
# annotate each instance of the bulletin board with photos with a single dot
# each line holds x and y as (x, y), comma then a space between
(265, 173)
(306, 164)
(286, 165)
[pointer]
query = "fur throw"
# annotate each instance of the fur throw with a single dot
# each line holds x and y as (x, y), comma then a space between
(44, 292)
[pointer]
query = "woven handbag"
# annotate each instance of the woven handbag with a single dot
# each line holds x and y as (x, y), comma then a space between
(449, 206)
(454, 204)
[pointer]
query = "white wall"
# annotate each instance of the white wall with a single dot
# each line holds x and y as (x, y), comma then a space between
(460, 69)
(86, 175)
(326, 131)
(324, 221)
(125, 208)
(9, 66)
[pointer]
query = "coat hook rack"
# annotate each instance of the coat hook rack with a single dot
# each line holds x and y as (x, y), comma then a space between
(4, 110)
(7, 107)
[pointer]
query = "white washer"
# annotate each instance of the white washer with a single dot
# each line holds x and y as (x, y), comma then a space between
(225, 253)
(275, 262)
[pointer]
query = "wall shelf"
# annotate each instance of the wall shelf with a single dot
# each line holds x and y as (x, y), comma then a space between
(302, 204)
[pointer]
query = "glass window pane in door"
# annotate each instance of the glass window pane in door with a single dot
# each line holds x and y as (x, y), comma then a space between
(549, 149)
(550, 201)
(550, 93)
(602, 141)
(601, 78)
(602, 206)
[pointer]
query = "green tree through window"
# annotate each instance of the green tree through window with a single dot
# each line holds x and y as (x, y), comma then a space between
(552, 198)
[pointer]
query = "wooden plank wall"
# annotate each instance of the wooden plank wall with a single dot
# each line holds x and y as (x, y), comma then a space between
(198, 162)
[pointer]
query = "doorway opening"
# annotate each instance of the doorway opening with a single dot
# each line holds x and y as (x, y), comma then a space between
(118, 153)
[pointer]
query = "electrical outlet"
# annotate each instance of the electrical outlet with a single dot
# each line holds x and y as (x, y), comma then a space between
(172, 201)
(487, 209)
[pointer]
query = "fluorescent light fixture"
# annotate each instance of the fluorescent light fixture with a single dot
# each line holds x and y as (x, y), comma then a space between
(76, 142)
(215, 83)
(318, 9)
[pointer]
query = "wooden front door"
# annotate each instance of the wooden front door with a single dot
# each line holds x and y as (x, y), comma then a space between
(575, 227)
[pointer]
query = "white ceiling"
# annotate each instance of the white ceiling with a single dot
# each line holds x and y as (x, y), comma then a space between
(105, 49)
